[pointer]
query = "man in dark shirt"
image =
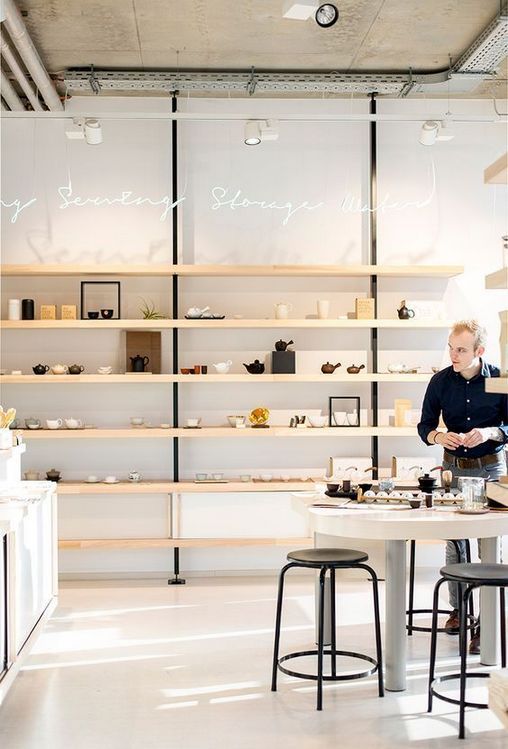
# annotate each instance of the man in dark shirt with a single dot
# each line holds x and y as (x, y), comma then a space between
(476, 426)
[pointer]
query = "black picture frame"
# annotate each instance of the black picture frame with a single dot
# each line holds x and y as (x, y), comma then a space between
(100, 298)
(350, 403)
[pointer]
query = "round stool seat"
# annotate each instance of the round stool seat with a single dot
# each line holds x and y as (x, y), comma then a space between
(333, 557)
(486, 574)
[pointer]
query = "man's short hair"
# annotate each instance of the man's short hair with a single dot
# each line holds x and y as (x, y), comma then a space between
(474, 327)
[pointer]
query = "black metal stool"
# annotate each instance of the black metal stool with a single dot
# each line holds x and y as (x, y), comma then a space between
(472, 576)
(411, 611)
(326, 560)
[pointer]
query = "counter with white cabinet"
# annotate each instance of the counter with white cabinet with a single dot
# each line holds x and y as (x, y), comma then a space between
(28, 569)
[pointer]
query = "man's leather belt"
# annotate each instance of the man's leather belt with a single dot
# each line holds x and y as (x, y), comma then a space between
(465, 463)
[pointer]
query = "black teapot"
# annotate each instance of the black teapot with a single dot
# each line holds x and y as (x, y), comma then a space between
(255, 367)
(282, 345)
(138, 363)
(53, 475)
(427, 483)
(40, 369)
(404, 312)
(76, 369)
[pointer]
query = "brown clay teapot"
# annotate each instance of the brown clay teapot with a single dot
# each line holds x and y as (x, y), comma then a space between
(328, 368)
(354, 369)
(404, 312)
(281, 345)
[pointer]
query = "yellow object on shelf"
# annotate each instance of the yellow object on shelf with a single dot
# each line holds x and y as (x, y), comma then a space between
(259, 416)
(48, 311)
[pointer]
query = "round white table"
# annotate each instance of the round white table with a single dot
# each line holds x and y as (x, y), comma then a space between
(395, 527)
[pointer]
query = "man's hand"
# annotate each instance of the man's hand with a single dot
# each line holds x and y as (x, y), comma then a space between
(476, 437)
(450, 440)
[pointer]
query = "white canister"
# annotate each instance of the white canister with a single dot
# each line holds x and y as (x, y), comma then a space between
(14, 309)
(5, 439)
(282, 311)
(323, 308)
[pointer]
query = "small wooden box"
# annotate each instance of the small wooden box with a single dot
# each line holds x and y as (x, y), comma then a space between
(364, 309)
(69, 312)
(402, 405)
(48, 311)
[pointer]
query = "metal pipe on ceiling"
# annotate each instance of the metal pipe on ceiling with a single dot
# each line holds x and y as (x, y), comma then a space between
(28, 53)
(10, 95)
(17, 70)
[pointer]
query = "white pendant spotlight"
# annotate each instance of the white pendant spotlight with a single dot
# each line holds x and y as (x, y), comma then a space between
(93, 132)
(428, 133)
(258, 130)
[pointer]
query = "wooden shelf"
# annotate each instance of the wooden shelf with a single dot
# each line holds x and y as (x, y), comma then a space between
(127, 379)
(158, 543)
(218, 432)
(183, 487)
(220, 324)
(497, 172)
(497, 280)
(166, 269)
(496, 385)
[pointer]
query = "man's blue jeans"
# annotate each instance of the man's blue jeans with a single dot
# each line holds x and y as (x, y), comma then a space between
(492, 472)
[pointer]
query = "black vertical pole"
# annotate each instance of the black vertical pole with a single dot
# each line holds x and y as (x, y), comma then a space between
(373, 279)
(176, 580)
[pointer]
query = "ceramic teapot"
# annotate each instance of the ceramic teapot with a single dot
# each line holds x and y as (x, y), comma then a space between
(353, 369)
(255, 367)
(282, 310)
(329, 368)
(134, 476)
(59, 369)
(281, 345)
(196, 312)
(222, 367)
(76, 369)
(40, 369)
(426, 482)
(396, 367)
(138, 363)
(404, 312)
(53, 474)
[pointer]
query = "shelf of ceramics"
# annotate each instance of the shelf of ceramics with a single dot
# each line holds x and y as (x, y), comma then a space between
(208, 378)
(158, 543)
(402, 271)
(497, 172)
(221, 324)
(496, 385)
(218, 432)
(497, 280)
(185, 487)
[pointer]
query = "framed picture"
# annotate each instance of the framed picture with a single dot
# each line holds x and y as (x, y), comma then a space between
(100, 300)
(344, 411)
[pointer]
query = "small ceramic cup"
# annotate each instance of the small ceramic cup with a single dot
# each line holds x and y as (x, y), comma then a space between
(137, 421)
(193, 422)
(201, 476)
(54, 423)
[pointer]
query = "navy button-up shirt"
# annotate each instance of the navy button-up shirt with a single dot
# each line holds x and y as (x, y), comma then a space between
(465, 405)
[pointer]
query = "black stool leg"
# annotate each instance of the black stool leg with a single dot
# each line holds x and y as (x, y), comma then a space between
(503, 627)
(463, 655)
(433, 640)
(333, 625)
(278, 618)
(412, 554)
(377, 626)
(468, 560)
(321, 628)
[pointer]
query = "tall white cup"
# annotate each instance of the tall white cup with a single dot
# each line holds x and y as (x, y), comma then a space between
(323, 308)
(14, 309)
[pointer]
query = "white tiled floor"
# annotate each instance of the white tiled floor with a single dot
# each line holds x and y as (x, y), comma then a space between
(141, 665)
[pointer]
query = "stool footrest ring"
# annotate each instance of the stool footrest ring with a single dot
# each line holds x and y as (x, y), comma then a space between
(472, 623)
(337, 677)
(452, 700)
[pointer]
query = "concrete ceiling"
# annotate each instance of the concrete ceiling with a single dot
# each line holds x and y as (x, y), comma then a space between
(373, 35)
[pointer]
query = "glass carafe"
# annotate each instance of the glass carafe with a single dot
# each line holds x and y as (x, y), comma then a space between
(473, 490)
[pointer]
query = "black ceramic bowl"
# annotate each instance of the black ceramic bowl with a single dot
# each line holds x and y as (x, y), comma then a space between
(107, 313)
(93, 315)
(415, 503)
(332, 487)
(365, 487)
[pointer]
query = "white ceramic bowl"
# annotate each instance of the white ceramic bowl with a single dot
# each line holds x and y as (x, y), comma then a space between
(369, 493)
(266, 477)
(318, 421)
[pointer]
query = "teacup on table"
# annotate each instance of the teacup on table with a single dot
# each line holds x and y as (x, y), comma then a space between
(54, 423)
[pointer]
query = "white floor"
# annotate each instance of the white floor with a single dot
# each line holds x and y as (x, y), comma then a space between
(144, 665)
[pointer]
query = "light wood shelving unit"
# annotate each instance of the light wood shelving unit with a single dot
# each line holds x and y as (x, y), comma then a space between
(497, 172)
(126, 379)
(218, 433)
(236, 271)
(220, 324)
(172, 488)
(497, 280)
(497, 385)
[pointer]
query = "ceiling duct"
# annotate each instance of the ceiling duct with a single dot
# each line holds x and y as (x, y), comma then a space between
(17, 71)
(10, 96)
(28, 53)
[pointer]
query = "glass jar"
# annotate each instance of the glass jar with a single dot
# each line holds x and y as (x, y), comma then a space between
(473, 490)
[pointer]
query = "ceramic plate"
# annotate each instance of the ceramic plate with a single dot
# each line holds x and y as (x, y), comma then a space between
(93, 481)
(116, 481)
(481, 511)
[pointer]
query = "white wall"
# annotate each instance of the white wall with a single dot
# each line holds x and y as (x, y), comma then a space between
(432, 209)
